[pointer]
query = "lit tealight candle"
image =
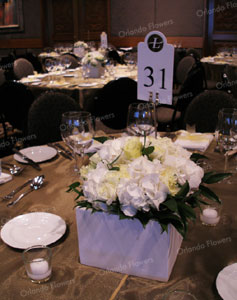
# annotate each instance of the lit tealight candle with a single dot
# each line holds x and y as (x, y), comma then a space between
(39, 269)
(210, 216)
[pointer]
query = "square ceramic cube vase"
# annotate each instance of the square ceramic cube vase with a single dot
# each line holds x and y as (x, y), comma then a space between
(124, 246)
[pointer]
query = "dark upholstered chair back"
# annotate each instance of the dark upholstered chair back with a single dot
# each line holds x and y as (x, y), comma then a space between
(203, 110)
(22, 68)
(15, 102)
(45, 115)
(112, 101)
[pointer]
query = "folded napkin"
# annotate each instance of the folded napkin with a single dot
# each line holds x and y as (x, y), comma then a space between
(94, 147)
(194, 141)
(4, 177)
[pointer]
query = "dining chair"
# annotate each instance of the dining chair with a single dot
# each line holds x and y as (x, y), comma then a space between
(203, 110)
(2, 77)
(22, 68)
(45, 114)
(16, 100)
(72, 59)
(193, 52)
(171, 117)
(112, 101)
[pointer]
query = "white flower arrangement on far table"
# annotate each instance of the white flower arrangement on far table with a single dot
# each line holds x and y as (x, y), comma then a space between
(94, 58)
(81, 44)
(147, 179)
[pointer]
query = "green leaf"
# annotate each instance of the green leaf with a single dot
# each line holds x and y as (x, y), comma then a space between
(114, 169)
(212, 177)
(90, 153)
(206, 192)
(73, 186)
(187, 211)
(183, 191)
(101, 139)
(171, 204)
(196, 156)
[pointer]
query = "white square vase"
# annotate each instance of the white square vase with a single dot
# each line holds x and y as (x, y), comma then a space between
(95, 72)
(79, 51)
(124, 246)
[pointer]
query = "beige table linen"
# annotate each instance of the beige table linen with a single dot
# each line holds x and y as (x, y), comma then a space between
(203, 254)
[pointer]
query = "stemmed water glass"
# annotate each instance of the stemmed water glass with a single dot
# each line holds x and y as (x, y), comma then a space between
(141, 120)
(50, 65)
(226, 142)
(77, 132)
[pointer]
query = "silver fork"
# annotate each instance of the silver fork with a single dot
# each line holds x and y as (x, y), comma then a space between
(12, 193)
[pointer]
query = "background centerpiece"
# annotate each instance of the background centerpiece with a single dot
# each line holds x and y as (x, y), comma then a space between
(154, 186)
(80, 48)
(94, 63)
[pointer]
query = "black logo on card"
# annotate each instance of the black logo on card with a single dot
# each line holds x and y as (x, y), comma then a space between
(155, 43)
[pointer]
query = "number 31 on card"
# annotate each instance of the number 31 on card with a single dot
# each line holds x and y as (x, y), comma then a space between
(155, 68)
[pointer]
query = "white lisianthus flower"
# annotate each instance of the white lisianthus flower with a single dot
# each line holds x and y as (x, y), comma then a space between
(119, 171)
(81, 44)
(93, 58)
(186, 170)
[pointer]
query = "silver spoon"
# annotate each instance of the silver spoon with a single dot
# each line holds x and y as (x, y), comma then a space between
(35, 185)
(13, 169)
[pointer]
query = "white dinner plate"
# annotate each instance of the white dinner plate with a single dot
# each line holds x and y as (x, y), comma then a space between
(36, 228)
(29, 80)
(37, 154)
(226, 282)
(88, 84)
(68, 75)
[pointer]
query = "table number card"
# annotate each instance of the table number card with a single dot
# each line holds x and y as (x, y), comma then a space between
(104, 40)
(155, 68)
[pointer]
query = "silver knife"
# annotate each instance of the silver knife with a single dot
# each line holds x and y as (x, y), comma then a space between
(64, 154)
(62, 148)
(30, 161)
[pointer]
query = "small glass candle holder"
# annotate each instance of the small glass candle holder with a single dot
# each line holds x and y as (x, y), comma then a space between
(37, 261)
(211, 214)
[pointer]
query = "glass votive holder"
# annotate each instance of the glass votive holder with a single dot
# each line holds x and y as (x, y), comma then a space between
(179, 295)
(211, 214)
(37, 261)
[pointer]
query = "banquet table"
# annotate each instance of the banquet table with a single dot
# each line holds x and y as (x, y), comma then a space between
(203, 254)
(215, 67)
(74, 84)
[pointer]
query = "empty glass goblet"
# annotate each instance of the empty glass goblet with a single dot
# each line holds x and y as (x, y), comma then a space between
(141, 120)
(77, 132)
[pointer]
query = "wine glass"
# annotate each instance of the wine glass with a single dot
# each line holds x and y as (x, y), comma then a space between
(50, 66)
(77, 132)
(225, 140)
(141, 120)
(233, 129)
(85, 72)
(65, 62)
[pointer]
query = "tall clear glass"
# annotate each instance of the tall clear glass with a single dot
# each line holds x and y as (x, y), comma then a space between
(225, 140)
(77, 132)
(141, 120)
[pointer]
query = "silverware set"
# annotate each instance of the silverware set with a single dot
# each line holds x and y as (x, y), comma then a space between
(33, 183)
(61, 150)
(13, 169)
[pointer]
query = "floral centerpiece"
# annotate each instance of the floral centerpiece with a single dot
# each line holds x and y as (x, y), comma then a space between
(81, 44)
(145, 179)
(94, 62)
(94, 58)
(80, 48)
